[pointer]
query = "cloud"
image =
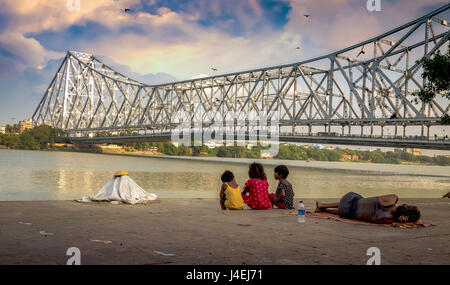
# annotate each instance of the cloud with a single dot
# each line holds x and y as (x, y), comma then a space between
(164, 40)
(185, 38)
(25, 52)
(21, 94)
(341, 23)
(149, 78)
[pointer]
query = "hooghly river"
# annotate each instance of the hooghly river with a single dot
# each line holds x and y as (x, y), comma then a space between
(42, 175)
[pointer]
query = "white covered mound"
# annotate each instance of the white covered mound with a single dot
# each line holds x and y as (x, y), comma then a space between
(121, 189)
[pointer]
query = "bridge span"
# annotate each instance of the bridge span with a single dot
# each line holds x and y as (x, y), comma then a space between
(395, 142)
(342, 89)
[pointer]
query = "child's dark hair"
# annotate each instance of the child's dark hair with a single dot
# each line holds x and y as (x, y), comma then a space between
(256, 171)
(412, 212)
(282, 170)
(227, 176)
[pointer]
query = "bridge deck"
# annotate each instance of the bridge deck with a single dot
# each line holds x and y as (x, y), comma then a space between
(335, 140)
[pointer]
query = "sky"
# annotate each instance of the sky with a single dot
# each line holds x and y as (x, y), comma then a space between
(165, 41)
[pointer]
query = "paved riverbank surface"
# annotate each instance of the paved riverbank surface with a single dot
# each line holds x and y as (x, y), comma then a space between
(196, 231)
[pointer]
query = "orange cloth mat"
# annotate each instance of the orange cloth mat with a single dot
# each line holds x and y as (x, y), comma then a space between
(329, 216)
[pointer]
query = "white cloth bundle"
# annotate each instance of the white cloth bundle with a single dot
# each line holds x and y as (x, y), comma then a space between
(122, 189)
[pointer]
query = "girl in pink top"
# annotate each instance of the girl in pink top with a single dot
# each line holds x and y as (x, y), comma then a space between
(258, 188)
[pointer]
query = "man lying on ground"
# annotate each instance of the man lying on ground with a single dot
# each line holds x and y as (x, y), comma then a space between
(380, 209)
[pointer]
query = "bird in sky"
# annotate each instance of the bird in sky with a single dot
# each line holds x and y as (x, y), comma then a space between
(214, 69)
(361, 52)
(297, 48)
(127, 10)
(307, 16)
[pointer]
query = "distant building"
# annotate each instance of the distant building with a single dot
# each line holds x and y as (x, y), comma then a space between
(250, 145)
(25, 125)
(2, 129)
(266, 155)
(211, 144)
(317, 146)
(350, 157)
(111, 146)
(413, 151)
(346, 156)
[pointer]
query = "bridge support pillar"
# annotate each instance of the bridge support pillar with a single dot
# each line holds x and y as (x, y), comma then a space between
(371, 130)
(404, 131)
(309, 129)
(362, 130)
(343, 129)
(428, 132)
(382, 131)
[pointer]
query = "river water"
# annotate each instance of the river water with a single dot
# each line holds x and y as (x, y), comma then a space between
(42, 175)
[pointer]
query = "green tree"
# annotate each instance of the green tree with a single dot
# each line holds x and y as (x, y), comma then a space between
(169, 148)
(183, 150)
(12, 130)
(437, 73)
(45, 135)
(28, 142)
(223, 151)
(284, 152)
(333, 155)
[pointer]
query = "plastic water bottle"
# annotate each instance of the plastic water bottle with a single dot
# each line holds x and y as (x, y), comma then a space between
(301, 212)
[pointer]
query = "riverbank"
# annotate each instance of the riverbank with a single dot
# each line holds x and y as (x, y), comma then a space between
(364, 168)
(196, 231)
(286, 152)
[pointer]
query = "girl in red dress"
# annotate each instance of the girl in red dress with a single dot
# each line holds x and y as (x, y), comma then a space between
(257, 188)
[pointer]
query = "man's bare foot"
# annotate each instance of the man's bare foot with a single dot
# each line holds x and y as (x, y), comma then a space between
(317, 207)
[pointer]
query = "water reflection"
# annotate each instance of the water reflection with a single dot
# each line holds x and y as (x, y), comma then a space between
(27, 175)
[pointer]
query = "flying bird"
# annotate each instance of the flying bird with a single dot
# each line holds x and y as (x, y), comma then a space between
(307, 16)
(127, 10)
(214, 69)
(361, 52)
(297, 48)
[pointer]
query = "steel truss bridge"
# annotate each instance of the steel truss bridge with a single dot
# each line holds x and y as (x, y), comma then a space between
(368, 86)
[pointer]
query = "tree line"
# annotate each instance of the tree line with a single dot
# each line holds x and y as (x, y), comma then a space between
(290, 152)
(37, 138)
(44, 137)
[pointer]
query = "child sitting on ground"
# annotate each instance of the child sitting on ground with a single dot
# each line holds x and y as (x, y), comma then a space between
(284, 196)
(230, 193)
(257, 188)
